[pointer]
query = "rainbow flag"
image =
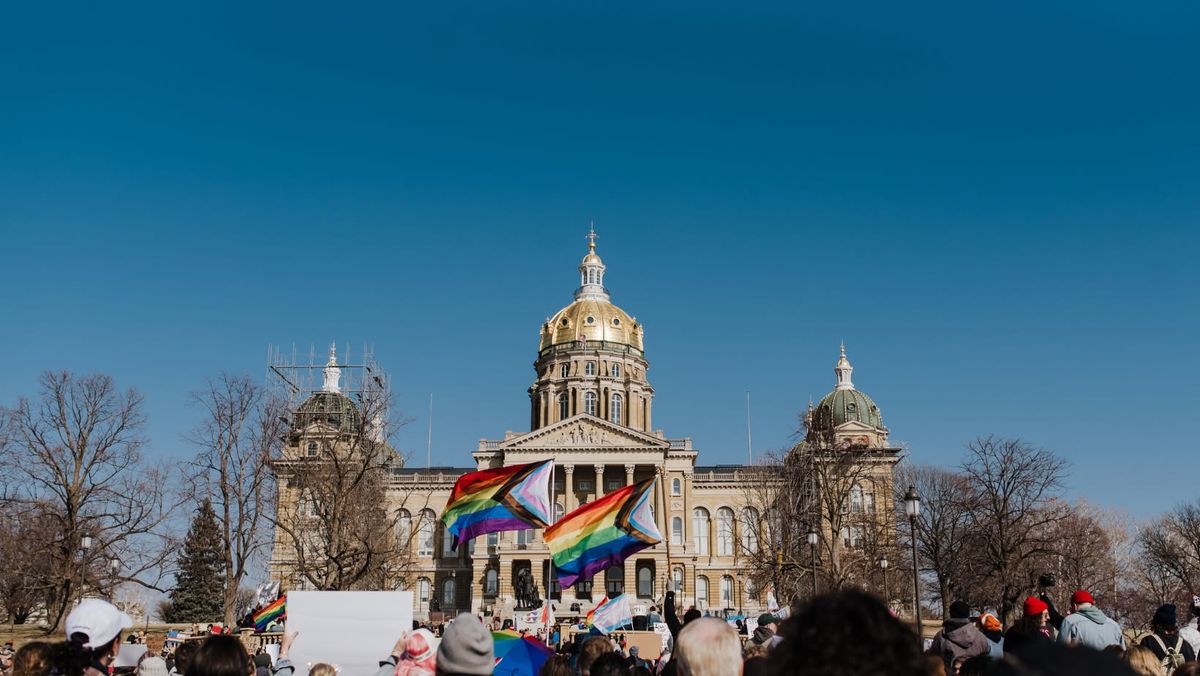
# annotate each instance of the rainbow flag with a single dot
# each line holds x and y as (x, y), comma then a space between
(603, 533)
(270, 613)
(493, 500)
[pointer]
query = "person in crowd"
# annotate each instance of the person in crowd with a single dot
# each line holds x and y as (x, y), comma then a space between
(152, 665)
(558, 665)
(993, 631)
(93, 638)
(220, 655)
(33, 659)
(322, 669)
(741, 627)
(652, 617)
(959, 638)
(978, 665)
(766, 633)
(708, 647)
(1142, 661)
(417, 655)
(640, 671)
(262, 664)
(609, 664)
(466, 649)
(1190, 632)
(1088, 626)
(591, 649)
(1165, 642)
(1032, 628)
(181, 659)
(847, 633)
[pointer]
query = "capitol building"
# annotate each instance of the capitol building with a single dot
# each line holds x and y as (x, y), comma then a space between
(591, 410)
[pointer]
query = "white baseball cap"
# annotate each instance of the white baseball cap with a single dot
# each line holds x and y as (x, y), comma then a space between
(100, 620)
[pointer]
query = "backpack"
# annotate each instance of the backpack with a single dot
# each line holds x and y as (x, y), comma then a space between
(1173, 656)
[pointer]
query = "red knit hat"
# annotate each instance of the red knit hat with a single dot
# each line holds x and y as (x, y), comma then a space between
(1035, 606)
(1082, 596)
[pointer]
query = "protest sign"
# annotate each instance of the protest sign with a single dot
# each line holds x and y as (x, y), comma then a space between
(351, 630)
(129, 655)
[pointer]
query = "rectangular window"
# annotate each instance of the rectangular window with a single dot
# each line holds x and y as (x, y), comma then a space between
(585, 485)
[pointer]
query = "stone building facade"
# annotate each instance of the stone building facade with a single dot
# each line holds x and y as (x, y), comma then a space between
(591, 407)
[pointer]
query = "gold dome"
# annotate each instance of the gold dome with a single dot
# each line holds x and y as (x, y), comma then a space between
(592, 319)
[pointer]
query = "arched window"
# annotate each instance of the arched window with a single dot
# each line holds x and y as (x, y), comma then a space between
(676, 486)
(616, 370)
(589, 369)
(564, 370)
(423, 590)
(447, 543)
(645, 581)
(615, 409)
(425, 533)
(404, 531)
(727, 591)
(856, 499)
(750, 530)
(589, 403)
(491, 582)
(700, 530)
(701, 591)
(614, 581)
(677, 530)
(677, 579)
(724, 532)
(448, 593)
(564, 406)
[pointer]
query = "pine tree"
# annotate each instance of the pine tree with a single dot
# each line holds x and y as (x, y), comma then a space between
(199, 591)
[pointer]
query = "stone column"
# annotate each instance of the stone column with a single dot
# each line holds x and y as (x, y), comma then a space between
(629, 474)
(599, 481)
(551, 405)
(568, 489)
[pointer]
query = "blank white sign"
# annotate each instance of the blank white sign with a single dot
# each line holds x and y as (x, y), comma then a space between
(351, 630)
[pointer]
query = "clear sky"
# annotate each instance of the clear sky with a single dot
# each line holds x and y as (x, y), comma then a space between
(994, 204)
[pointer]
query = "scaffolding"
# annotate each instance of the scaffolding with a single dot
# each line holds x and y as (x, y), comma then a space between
(292, 380)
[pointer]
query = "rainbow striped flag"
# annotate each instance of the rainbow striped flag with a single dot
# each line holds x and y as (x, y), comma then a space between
(493, 500)
(603, 533)
(270, 613)
(610, 614)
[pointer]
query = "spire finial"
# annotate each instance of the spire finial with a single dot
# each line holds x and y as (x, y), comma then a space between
(591, 236)
(333, 374)
(843, 371)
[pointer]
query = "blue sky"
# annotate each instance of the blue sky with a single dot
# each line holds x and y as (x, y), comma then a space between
(994, 205)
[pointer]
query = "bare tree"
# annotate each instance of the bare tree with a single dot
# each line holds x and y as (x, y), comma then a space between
(1014, 509)
(944, 530)
(333, 518)
(74, 452)
(774, 522)
(24, 570)
(241, 430)
(1169, 556)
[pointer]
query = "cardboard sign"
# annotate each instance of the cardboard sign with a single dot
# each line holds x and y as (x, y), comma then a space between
(353, 631)
(129, 655)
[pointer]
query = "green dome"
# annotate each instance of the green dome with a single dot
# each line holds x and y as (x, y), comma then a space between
(330, 408)
(843, 405)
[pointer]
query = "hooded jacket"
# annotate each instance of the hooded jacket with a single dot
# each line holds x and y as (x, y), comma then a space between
(1090, 627)
(959, 637)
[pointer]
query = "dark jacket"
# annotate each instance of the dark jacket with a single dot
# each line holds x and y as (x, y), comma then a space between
(1148, 641)
(1021, 635)
(959, 637)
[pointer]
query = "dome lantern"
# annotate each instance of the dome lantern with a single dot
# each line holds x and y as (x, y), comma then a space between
(591, 272)
(333, 374)
(843, 371)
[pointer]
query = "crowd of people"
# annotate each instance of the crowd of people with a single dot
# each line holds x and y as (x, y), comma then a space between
(847, 633)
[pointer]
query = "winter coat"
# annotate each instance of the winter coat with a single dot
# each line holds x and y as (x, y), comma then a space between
(959, 638)
(1191, 634)
(1185, 649)
(1090, 627)
(1020, 635)
(762, 635)
(995, 641)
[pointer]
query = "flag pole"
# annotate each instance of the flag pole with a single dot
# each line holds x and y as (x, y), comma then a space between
(550, 581)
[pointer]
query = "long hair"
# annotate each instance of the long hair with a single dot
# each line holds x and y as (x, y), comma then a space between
(71, 657)
(33, 659)
(220, 656)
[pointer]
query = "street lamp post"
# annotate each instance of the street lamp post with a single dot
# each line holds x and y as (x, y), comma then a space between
(912, 507)
(812, 544)
(114, 568)
(883, 565)
(85, 544)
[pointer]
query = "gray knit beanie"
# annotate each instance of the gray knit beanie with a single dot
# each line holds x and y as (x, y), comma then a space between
(466, 648)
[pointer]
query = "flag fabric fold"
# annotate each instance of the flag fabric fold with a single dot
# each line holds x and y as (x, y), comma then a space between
(500, 499)
(269, 613)
(610, 614)
(603, 533)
